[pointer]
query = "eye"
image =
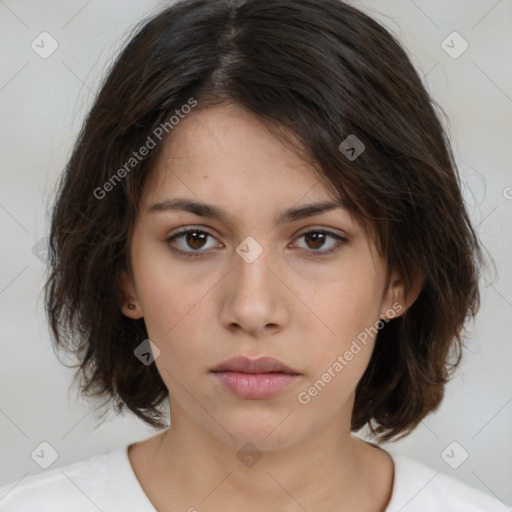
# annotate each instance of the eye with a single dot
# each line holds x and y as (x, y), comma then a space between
(196, 239)
(193, 238)
(316, 238)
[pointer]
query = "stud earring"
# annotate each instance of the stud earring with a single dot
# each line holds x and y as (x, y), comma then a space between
(131, 306)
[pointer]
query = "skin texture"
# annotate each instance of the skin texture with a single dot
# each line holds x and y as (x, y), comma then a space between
(302, 309)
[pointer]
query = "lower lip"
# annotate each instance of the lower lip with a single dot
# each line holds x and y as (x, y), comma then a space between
(255, 386)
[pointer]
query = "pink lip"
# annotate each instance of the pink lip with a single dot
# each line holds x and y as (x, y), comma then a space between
(255, 379)
(260, 365)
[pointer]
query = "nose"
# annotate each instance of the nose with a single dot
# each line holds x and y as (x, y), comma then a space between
(254, 295)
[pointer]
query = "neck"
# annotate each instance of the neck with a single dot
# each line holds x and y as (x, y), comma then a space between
(331, 470)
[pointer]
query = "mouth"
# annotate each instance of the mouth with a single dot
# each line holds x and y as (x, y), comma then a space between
(254, 366)
(255, 379)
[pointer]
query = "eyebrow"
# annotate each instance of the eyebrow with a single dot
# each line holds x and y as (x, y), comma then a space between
(214, 212)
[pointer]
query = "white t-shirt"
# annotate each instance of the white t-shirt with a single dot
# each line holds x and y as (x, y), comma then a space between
(107, 483)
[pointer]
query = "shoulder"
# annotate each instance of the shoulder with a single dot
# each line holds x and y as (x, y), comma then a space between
(419, 488)
(73, 483)
(102, 482)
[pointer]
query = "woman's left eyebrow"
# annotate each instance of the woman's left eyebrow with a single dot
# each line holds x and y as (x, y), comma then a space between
(214, 212)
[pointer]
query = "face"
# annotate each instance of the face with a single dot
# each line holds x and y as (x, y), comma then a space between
(252, 282)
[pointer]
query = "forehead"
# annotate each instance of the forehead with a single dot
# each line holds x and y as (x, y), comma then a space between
(230, 152)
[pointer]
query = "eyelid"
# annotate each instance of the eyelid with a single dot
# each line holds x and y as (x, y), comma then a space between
(190, 227)
(183, 230)
(340, 240)
(335, 231)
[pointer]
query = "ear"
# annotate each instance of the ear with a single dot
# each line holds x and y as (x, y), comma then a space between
(395, 300)
(129, 303)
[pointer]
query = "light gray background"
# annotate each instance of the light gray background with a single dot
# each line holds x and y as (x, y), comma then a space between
(43, 103)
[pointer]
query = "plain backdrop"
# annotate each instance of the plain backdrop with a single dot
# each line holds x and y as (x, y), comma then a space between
(43, 102)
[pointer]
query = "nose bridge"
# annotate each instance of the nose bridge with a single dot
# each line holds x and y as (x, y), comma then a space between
(252, 260)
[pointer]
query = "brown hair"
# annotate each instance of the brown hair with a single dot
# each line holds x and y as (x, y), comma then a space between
(316, 71)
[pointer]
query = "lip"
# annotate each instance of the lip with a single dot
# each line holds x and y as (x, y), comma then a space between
(262, 364)
(255, 379)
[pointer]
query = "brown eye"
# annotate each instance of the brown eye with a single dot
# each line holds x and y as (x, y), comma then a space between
(192, 242)
(195, 239)
(316, 239)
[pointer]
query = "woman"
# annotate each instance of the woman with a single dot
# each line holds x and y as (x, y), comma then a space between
(261, 224)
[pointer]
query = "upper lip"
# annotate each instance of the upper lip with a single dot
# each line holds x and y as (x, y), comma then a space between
(259, 365)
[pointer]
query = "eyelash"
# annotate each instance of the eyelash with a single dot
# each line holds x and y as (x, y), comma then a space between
(341, 241)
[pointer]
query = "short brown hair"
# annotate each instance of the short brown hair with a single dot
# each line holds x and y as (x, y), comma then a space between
(318, 70)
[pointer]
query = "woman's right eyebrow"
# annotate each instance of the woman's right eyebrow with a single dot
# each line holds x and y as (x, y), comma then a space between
(214, 212)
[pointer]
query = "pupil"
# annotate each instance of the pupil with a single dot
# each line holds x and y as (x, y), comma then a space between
(193, 241)
(318, 239)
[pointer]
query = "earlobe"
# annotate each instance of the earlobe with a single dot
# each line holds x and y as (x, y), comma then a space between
(128, 297)
(131, 310)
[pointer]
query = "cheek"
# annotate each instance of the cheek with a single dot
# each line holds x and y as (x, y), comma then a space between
(336, 370)
(330, 391)
(350, 304)
(349, 309)
(163, 290)
(172, 318)
(175, 310)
